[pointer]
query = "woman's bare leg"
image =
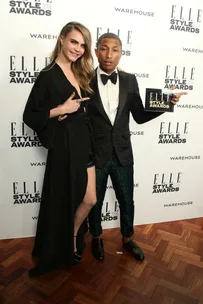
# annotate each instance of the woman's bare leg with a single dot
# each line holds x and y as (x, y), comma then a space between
(87, 203)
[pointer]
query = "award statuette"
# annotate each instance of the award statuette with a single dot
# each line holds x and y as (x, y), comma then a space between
(158, 101)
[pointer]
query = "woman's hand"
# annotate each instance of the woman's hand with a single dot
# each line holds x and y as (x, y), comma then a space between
(72, 105)
(69, 106)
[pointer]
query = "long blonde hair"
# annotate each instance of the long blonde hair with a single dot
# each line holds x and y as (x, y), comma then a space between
(83, 67)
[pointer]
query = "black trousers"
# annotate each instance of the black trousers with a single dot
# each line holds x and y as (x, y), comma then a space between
(123, 184)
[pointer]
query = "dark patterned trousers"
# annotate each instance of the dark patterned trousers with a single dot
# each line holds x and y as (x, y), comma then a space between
(123, 184)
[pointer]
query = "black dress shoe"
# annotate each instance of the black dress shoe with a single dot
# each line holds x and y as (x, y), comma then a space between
(135, 250)
(98, 248)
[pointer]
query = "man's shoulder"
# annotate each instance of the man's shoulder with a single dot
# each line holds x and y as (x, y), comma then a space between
(126, 74)
(128, 78)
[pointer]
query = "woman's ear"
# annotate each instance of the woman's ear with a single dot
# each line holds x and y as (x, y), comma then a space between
(61, 40)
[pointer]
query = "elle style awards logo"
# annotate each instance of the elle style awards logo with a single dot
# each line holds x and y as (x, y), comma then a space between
(166, 182)
(181, 77)
(173, 132)
(24, 69)
(26, 193)
(22, 136)
(110, 212)
(124, 35)
(186, 19)
(31, 7)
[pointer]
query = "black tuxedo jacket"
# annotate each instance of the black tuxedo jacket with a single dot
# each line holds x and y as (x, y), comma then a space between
(108, 137)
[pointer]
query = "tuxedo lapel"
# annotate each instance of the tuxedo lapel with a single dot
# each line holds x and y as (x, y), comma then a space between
(122, 95)
(97, 99)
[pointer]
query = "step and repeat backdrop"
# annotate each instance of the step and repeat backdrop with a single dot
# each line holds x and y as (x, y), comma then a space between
(162, 46)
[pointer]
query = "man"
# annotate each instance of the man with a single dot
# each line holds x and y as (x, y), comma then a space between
(116, 95)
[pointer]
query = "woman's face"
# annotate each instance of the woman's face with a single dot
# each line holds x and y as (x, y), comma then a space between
(73, 45)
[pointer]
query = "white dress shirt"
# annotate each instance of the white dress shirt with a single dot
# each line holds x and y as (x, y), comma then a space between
(109, 94)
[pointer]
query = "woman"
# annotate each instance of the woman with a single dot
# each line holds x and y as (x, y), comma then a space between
(56, 111)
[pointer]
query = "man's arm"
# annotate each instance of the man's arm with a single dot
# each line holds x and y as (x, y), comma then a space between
(136, 107)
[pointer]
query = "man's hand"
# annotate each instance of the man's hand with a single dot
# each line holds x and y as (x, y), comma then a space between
(177, 96)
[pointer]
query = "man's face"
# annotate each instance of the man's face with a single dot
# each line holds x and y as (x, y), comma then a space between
(108, 54)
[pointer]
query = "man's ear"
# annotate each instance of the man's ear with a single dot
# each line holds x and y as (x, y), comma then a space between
(96, 52)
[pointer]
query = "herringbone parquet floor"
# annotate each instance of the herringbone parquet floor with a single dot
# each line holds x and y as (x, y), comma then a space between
(172, 272)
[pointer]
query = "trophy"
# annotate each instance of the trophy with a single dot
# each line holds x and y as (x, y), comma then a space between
(157, 100)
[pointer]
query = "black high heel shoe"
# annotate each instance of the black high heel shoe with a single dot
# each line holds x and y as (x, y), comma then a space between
(77, 257)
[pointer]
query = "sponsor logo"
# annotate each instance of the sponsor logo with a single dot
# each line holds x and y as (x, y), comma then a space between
(194, 157)
(141, 75)
(38, 164)
(111, 187)
(191, 50)
(136, 133)
(35, 218)
(166, 182)
(133, 12)
(43, 36)
(182, 204)
(190, 106)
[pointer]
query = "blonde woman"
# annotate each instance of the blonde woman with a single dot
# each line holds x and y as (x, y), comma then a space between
(56, 110)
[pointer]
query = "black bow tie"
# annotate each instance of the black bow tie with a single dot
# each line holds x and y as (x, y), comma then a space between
(112, 77)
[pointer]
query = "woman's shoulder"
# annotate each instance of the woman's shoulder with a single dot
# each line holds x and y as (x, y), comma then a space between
(46, 72)
(49, 69)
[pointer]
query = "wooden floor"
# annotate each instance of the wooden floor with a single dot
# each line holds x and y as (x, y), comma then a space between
(172, 272)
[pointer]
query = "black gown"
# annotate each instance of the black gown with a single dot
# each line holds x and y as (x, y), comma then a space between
(65, 180)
